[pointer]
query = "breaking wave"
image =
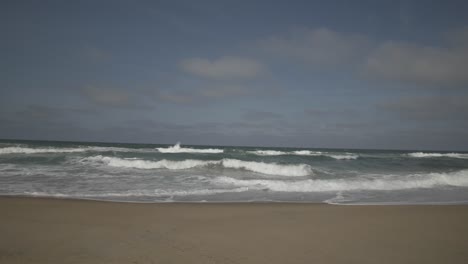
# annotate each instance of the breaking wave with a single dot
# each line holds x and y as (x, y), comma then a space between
(344, 156)
(259, 167)
(307, 153)
(304, 153)
(20, 150)
(25, 150)
(430, 180)
(438, 155)
(148, 164)
(268, 168)
(268, 152)
(137, 193)
(178, 149)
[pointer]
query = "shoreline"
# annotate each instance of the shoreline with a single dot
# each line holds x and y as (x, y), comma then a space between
(463, 203)
(56, 230)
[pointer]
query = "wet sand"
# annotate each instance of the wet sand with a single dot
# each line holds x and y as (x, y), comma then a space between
(39, 230)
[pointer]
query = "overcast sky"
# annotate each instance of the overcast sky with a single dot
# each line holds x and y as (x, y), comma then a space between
(340, 74)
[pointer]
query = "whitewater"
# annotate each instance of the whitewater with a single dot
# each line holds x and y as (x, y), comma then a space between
(181, 173)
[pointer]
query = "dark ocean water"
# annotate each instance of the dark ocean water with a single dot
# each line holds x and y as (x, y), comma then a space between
(162, 173)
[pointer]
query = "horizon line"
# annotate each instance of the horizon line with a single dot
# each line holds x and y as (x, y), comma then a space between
(213, 145)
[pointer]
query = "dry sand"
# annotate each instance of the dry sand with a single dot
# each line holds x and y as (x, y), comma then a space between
(34, 230)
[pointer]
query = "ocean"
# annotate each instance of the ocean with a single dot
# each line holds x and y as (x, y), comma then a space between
(179, 173)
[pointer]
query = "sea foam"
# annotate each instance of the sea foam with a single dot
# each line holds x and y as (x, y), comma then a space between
(21, 150)
(26, 150)
(138, 193)
(178, 149)
(430, 180)
(148, 164)
(304, 153)
(259, 167)
(438, 155)
(269, 168)
(268, 152)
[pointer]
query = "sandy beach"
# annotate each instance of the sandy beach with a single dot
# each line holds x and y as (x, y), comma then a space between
(38, 230)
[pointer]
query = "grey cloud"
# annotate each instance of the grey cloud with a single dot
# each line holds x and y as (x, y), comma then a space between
(49, 113)
(38, 112)
(51, 131)
(177, 97)
(95, 54)
(44, 122)
(261, 116)
(443, 108)
(423, 65)
(323, 112)
(205, 94)
(441, 65)
(107, 96)
(115, 98)
(224, 91)
(458, 38)
(227, 67)
(227, 129)
(320, 46)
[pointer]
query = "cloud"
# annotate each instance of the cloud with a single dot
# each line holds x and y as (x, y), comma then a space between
(320, 46)
(223, 91)
(412, 63)
(178, 97)
(326, 112)
(422, 65)
(44, 113)
(458, 38)
(107, 96)
(95, 54)
(206, 94)
(44, 122)
(261, 116)
(223, 68)
(430, 108)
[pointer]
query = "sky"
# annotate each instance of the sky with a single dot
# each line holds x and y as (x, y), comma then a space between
(325, 74)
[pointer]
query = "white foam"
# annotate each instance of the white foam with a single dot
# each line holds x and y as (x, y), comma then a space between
(21, 150)
(178, 149)
(431, 180)
(148, 164)
(278, 153)
(268, 152)
(307, 153)
(26, 150)
(269, 168)
(259, 167)
(139, 193)
(438, 155)
(344, 156)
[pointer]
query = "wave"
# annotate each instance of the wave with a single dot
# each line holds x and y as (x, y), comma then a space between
(307, 153)
(21, 150)
(136, 193)
(423, 181)
(279, 153)
(304, 153)
(178, 149)
(438, 155)
(269, 168)
(268, 152)
(343, 156)
(147, 164)
(259, 167)
(28, 150)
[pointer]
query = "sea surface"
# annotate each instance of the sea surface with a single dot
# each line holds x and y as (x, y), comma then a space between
(176, 173)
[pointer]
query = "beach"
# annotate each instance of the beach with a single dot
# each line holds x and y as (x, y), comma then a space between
(46, 230)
